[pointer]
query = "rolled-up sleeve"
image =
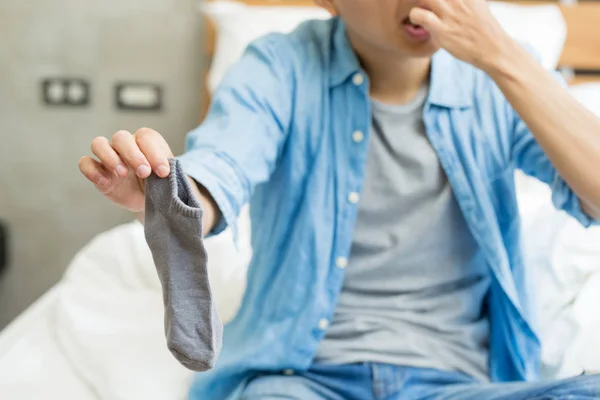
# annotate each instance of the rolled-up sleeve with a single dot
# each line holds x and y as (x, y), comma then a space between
(530, 157)
(238, 144)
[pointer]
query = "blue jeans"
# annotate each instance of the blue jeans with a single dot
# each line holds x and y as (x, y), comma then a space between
(370, 381)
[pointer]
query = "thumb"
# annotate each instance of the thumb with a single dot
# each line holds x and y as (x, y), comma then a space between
(427, 19)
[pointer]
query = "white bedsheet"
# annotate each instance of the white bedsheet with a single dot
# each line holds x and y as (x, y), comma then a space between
(99, 333)
(32, 366)
(564, 263)
(109, 320)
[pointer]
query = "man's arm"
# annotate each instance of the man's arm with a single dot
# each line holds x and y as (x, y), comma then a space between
(237, 146)
(212, 213)
(568, 133)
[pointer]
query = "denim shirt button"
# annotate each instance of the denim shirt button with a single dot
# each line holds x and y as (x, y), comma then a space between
(358, 79)
(354, 198)
(323, 324)
(341, 262)
(358, 136)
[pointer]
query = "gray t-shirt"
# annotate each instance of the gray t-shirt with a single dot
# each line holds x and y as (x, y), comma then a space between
(416, 281)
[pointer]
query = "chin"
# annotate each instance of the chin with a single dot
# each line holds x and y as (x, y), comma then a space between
(424, 49)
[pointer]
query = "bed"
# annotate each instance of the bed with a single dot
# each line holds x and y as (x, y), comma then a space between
(98, 334)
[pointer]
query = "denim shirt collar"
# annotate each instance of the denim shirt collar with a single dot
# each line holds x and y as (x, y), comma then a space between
(451, 80)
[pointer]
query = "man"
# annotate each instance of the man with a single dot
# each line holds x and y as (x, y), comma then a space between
(377, 151)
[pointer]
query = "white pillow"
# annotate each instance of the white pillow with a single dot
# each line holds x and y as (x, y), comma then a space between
(541, 26)
(589, 95)
(237, 24)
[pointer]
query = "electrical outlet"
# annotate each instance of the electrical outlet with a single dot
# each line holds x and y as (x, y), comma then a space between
(138, 96)
(78, 92)
(70, 92)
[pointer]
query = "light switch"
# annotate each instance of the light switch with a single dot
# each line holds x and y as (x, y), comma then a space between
(139, 96)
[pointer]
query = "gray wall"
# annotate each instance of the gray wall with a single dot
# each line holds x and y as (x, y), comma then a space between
(51, 210)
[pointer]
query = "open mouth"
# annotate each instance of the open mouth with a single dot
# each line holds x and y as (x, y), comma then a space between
(408, 22)
(414, 31)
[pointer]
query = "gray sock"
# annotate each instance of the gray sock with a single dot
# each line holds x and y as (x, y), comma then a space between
(173, 229)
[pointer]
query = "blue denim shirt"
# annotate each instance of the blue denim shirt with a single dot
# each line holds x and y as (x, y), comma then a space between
(279, 135)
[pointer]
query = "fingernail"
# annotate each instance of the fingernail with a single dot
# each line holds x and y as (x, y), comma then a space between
(121, 170)
(163, 171)
(143, 170)
(103, 181)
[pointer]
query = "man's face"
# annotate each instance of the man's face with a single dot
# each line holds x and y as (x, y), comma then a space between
(383, 25)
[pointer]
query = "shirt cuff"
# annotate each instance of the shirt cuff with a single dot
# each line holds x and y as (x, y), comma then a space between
(217, 177)
(565, 199)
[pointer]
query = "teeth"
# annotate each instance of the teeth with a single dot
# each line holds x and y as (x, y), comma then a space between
(407, 21)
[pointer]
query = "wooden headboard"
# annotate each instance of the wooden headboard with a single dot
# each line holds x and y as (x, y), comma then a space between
(580, 58)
